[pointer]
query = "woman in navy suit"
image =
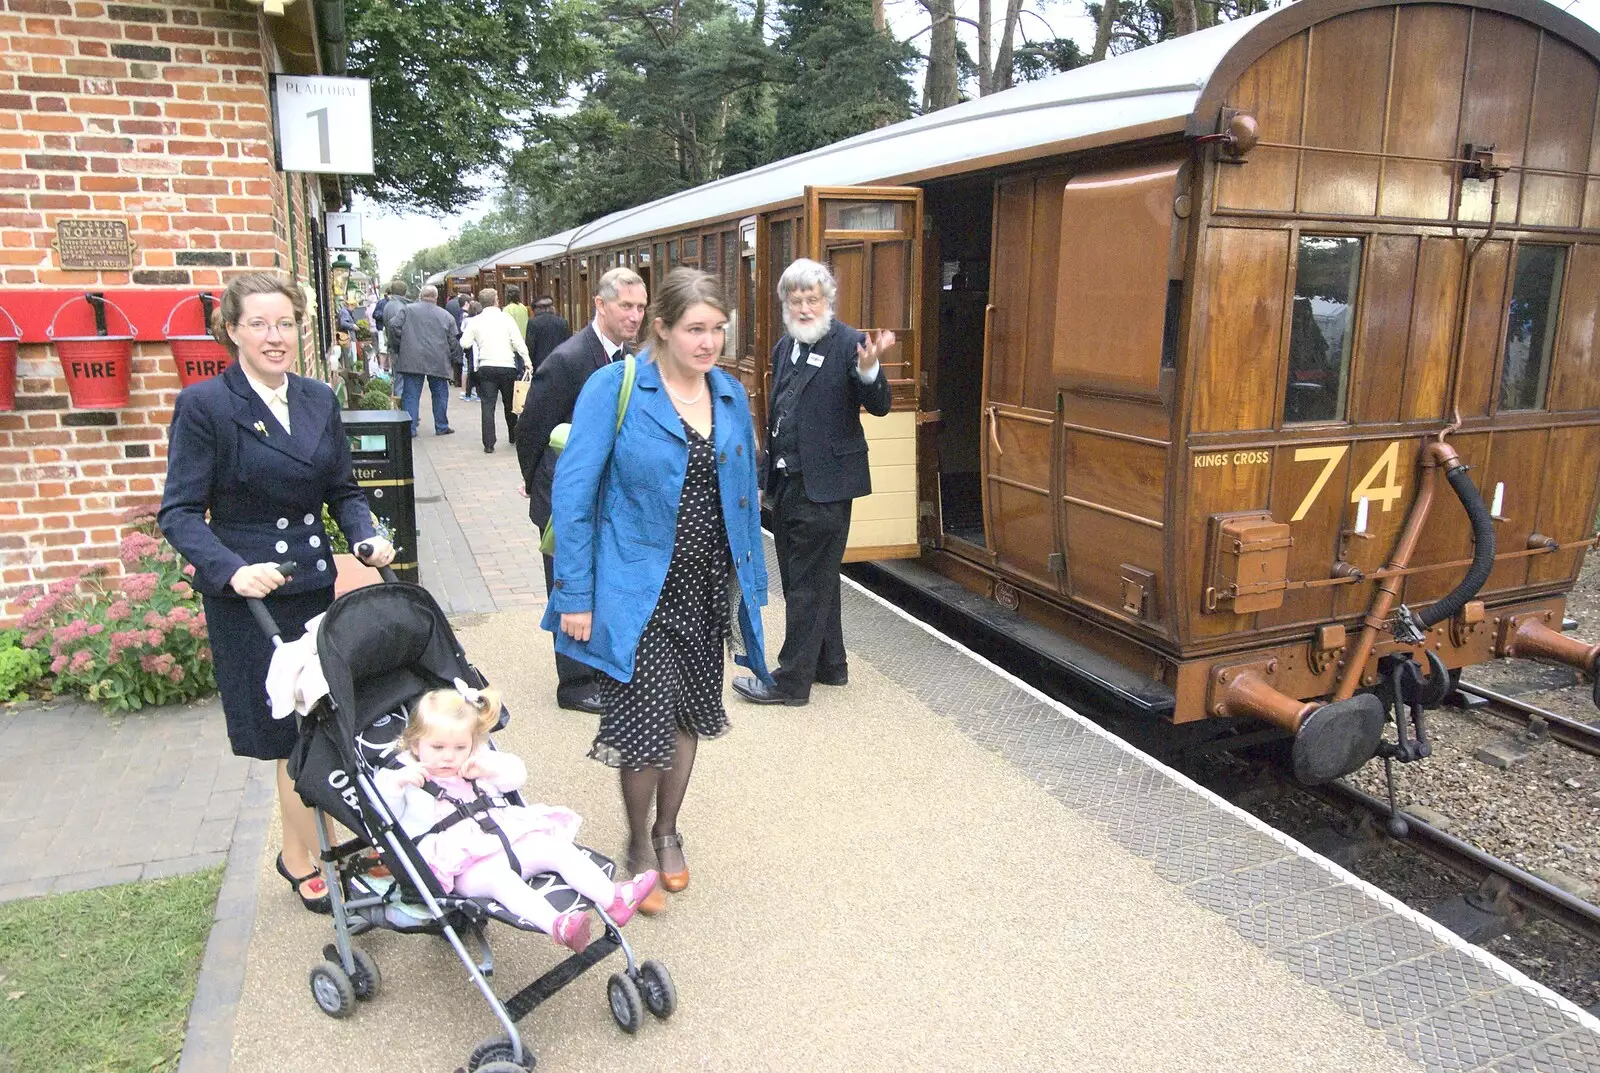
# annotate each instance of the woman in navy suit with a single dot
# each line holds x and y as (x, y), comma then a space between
(659, 560)
(253, 456)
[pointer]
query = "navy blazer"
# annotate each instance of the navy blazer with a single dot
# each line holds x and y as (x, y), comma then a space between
(616, 515)
(552, 397)
(833, 446)
(263, 487)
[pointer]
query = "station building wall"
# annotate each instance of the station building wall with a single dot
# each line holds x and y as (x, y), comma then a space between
(155, 113)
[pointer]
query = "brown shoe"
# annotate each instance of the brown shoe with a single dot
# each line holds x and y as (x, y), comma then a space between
(653, 902)
(672, 881)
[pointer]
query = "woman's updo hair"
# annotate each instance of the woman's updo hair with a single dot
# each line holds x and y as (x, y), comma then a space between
(447, 707)
(683, 289)
(474, 308)
(231, 311)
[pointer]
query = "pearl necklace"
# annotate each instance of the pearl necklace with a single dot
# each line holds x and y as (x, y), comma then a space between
(687, 402)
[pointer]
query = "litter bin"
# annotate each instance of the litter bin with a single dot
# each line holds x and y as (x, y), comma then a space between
(380, 455)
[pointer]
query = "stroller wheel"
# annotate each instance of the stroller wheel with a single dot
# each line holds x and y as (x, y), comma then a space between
(493, 1055)
(366, 980)
(660, 997)
(626, 1006)
(331, 990)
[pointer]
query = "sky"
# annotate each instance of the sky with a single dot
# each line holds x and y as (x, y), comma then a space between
(398, 235)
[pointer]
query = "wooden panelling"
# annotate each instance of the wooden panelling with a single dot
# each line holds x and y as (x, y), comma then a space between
(1567, 501)
(1272, 90)
(891, 263)
(1430, 54)
(1024, 531)
(888, 517)
(1575, 369)
(1298, 471)
(1516, 460)
(1433, 323)
(1135, 417)
(1008, 289)
(1447, 536)
(1378, 370)
(1097, 546)
(1499, 91)
(1591, 200)
(1116, 473)
(1383, 525)
(1563, 111)
(1245, 282)
(1346, 92)
(849, 271)
(1025, 441)
(1216, 490)
(1486, 314)
(1039, 382)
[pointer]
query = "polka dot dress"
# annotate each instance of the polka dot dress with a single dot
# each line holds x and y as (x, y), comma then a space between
(677, 668)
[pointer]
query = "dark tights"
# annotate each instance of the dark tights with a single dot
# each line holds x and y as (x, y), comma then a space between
(664, 788)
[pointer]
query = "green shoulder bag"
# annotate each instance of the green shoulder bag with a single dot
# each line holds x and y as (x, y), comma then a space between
(558, 443)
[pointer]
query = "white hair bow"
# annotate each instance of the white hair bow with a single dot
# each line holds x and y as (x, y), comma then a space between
(473, 697)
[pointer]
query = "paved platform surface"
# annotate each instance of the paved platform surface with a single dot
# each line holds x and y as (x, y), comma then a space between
(935, 867)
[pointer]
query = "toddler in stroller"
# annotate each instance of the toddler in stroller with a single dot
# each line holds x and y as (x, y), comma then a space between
(448, 794)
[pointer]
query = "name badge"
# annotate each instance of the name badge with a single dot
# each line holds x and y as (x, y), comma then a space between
(813, 358)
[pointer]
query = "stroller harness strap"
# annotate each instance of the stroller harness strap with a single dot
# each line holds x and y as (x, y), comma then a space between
(477, 810)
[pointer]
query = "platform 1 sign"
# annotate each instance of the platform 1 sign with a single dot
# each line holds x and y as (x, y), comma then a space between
(343, 230)
(322, 124)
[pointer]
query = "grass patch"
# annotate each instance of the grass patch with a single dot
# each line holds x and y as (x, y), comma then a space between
(102, 979)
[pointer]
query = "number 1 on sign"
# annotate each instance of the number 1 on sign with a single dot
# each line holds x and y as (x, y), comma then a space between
(321, 116)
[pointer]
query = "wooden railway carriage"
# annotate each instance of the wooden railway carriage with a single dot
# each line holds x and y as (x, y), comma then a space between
(1188, 338)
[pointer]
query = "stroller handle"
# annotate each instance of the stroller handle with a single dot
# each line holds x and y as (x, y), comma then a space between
(258, 607)
(364, 552)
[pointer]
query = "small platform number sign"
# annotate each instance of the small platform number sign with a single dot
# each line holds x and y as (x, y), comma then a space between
(343, 230)
(323, 124)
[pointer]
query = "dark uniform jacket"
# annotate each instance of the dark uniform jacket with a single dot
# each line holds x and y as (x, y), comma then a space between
(551, 398)
(833, 447)
(546, 331)
(264, 487)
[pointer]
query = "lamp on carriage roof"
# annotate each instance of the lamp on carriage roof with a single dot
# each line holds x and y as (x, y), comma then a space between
(272, 7)
(339, 276)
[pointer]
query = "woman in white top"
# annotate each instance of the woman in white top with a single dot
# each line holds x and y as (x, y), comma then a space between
(499, 347)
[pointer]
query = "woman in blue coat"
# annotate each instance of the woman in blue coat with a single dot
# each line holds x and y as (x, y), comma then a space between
(252, 457)
(659, 560)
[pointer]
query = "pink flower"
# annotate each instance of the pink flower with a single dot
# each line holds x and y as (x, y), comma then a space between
(204, 654)
(81, 661)
(188, 570)
(58, 664)
(201, 618)
(138, 587)
(66, 584)
(180, 615)
(32, 638)
(136, 546)
(40, 611)
(182, 588)
(153, 618)
(96, 630)
(124, 640)
(118, 611)
(176, 674)
(154, 638)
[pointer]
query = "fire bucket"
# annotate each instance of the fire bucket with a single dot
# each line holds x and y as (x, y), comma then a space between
(198, 357)
(8, 364)
(97, 367)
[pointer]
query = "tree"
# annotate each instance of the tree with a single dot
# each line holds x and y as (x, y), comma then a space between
(841, 76)
(452, 83)
(369, 260)
(941, 85)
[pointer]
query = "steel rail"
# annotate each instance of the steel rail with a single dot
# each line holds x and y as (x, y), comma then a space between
(1526, 889)
(1568, 731)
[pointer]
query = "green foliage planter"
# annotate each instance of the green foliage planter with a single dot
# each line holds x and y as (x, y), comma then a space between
(20, 668)
(126, 642)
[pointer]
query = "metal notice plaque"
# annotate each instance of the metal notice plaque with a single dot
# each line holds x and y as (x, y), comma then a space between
(93, 245)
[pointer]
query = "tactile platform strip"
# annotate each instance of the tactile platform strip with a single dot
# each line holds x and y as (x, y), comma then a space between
(1329, 960)
(1479, 1030)
(1279, 924)
(1270, 882)
(995, 725)
(1405, 991)
(1576, 1052)
(1186, 864)
(1151, 825)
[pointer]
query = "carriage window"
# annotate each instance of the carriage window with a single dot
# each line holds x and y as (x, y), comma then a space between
(1530, 327)
(863, 216)
(1320, 333)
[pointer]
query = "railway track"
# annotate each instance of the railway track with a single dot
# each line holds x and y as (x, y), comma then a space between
(1585, 737)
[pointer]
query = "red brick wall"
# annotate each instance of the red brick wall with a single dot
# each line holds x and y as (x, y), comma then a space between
(151, 112)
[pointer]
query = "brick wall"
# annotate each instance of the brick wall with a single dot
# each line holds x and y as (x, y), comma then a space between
(155, 113)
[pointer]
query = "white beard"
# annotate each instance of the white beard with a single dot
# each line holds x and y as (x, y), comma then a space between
(809, 334)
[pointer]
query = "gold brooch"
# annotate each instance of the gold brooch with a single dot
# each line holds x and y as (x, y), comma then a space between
(261, 427)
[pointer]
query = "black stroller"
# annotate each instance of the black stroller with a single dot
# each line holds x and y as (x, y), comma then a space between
(380, 648)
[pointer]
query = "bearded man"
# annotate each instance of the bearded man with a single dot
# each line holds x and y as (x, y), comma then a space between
(824, 372)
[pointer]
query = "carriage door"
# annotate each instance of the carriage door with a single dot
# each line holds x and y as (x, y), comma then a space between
(871, 237)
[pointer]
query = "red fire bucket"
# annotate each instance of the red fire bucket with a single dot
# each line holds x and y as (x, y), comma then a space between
(198, 357)
(8, 364)
(97, 367)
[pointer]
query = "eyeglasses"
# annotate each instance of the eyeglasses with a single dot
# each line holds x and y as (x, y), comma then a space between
(805, 301)
(286, 326)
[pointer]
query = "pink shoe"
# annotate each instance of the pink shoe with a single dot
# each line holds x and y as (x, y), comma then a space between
(572, 929)
(629, 895)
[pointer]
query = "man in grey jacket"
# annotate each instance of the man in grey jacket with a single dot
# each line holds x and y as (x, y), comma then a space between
(423, 341)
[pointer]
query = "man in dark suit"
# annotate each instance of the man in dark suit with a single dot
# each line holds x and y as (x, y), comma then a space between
(619, 304)
(824, 372)
(546, 330)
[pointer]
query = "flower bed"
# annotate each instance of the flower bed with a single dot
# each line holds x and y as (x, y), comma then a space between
(130, 641)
